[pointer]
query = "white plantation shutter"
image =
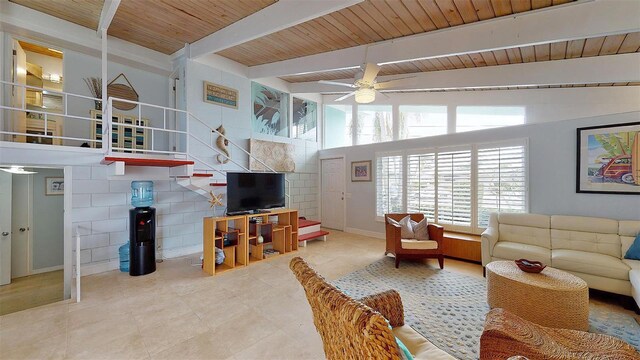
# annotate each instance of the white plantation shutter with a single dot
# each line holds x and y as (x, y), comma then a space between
(454, 188)
(502, 181)
(389, 188)
(421, 185)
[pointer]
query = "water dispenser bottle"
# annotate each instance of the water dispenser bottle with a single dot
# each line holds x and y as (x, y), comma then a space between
(141, 193)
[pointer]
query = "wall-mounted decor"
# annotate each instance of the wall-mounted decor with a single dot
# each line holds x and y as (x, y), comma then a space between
(609, 159)
(220, 95)
(222, 144)
(95, 87)
(305, 119)
(54, 186)
(122, 91)
(361, 170)
(278, 156)
(270, 110)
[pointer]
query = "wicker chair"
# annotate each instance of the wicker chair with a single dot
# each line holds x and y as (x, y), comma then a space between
(353, 329)
(395, 241)
(506, 334)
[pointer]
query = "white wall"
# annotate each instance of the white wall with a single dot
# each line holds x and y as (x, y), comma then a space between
(151, 88)
(101, 215)
(237, 123)
(552, 171)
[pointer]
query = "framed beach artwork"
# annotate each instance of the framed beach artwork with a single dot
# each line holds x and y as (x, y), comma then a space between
(305, 119)
(270, 110)
(220, 95)
(609, 159)
(361, 170)
(54, 186)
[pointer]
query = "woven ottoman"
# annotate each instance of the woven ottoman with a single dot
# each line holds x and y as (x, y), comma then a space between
(552, 298)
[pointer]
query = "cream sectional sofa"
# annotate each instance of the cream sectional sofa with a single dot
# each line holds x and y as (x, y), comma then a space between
(590, 248)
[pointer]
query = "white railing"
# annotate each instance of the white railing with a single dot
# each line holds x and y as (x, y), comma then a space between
(22, 107)
(78, 275)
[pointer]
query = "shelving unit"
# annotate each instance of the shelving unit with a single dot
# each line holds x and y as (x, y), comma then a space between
(235, 249)
(278, 228)
(122, 136)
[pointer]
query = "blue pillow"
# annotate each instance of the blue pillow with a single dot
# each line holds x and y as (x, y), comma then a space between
(634, 250)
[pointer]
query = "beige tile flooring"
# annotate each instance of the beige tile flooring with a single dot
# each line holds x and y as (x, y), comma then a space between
(31, 291)
(255, 312)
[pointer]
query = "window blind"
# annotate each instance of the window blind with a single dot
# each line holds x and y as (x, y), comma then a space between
(389, 189)
(421, 185)
(454, 188)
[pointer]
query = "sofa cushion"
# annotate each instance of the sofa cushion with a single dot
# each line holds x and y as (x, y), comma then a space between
(633, 264)
(628, 230)
(413, 244)
(420, 347)
(513, 251)
(595, 235)
(590, 263)
(530, 220)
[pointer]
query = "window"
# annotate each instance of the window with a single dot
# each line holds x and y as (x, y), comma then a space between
(338, 129)
(454, 188)
(502, 181)
(471, 118)
(421, 184)
(389, 187)
(421, 121)
(374, 124)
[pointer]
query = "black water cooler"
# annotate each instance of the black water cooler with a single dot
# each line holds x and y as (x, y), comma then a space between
(142, 241)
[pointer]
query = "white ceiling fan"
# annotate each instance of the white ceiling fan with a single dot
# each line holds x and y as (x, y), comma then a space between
(365, 84)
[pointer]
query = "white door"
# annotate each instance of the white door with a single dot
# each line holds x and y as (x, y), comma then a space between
(5, 228)
(19, 118)
(333, 193)
(20, 225)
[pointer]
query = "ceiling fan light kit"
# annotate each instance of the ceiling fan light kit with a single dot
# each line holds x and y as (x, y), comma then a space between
(365, 95)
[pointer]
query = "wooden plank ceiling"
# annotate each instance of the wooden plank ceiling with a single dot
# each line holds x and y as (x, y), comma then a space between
(598, 46)
(372, 21)
(161, 25)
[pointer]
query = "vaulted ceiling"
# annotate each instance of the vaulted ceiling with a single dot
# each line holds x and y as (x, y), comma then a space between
(354, 28)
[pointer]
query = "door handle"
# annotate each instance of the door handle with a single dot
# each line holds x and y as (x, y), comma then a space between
(22, 229)
(4, 233)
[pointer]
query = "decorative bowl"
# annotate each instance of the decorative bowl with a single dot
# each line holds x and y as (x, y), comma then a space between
(530, 266)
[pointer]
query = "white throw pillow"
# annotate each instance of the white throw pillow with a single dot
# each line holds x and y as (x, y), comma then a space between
(420, 230)
(406, 230)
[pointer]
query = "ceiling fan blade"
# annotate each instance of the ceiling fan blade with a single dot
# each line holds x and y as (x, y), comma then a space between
(394, 83)
(336, 83)
(370, 72)
(346, 96)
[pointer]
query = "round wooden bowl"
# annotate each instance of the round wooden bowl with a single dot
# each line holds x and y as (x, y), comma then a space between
(530, 266)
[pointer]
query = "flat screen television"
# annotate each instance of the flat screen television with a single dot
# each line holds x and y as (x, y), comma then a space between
(249, 192)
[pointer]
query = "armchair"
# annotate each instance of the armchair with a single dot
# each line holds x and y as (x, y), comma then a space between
(410, 248)
(358, 329)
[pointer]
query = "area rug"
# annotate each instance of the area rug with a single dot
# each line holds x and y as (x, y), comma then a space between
(449, 308)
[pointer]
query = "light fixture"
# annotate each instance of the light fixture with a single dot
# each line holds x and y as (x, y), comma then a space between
(54, 50)
(365, 95)
(14, 169)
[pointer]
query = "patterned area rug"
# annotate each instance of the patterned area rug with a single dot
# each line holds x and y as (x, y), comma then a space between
(449, 308)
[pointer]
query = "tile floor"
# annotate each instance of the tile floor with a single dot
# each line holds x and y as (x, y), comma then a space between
(256, 312)
(31, 291)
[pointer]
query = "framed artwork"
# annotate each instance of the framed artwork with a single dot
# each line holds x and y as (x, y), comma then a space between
(270, 110)
(220, 95)
(54, 186)
(361, 170)
(305, 119)
(609, 159)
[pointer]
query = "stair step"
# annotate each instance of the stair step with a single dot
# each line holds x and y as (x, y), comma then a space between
(146, 162)
(302, 223)
(218, 184)
(201, 175)
(313, 235)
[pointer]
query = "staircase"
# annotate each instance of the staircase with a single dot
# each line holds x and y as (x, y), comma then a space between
(310, 230)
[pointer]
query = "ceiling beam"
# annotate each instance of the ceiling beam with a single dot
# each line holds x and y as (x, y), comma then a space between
(281, 15)
(590, 70)
(552, 24)
(106, 16)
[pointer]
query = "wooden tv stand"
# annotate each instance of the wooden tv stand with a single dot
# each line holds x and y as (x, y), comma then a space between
(242, 247)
